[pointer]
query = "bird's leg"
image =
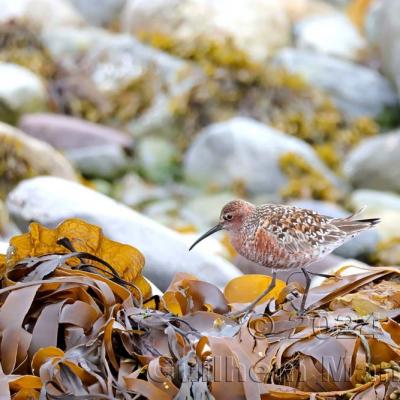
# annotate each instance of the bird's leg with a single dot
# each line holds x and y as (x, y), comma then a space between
(306, 290)
(249, 307)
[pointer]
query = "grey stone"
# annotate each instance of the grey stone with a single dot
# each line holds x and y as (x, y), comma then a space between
(332, 34)
(40, 13)
(21, 91)
(65, 133)
(383, 29)
(246, 151)
(51, 200)
(355, 89)
(99, 12)
(375, 163)
(157, 158)
(375, 200)
(105, 161)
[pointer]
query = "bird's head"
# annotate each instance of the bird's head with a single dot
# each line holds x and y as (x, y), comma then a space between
(231, 218)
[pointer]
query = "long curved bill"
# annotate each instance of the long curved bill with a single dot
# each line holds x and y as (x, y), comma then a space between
(216, 228)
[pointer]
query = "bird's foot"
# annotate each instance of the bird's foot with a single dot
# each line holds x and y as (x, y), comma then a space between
(324, 275)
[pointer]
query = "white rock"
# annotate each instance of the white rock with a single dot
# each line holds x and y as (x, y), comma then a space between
(40, 13)
(355, 89)
(39, 157)
(246, 151)
(104, 161)
(384, 30)
(99, 12)
(21, 90)
(332, 34)
(3, 247)
(257, 30)
(375, 200)
(375, 163)
(50, 200)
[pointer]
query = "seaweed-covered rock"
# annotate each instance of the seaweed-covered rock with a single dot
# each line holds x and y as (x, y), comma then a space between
(264, 26)
(332, 34)
(21, 91)
(375, 163)
(40, 13)
(22, 157)
(50, 200)
(244, 151)
(326, 72)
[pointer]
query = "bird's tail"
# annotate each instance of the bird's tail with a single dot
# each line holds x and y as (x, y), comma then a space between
(352, 225)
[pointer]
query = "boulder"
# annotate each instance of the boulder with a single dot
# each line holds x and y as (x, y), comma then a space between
(375, 163)
(264, 26)
(157, 158)
(22, 156)
(343, 80)
(99, 12)
(50, 200)
(383, 28)
(21, 91)
(40, 13)
(332, 34)
(244, 151)
(67, 133)
(3, 247)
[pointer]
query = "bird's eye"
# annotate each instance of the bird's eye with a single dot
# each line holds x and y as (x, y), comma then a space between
(228, 217)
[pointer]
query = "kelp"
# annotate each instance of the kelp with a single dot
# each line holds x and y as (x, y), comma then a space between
(73, 326)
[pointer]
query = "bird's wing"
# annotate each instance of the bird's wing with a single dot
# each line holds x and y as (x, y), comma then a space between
(301, 230)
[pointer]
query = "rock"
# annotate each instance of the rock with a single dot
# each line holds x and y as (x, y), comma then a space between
(50, 200)
(3, 247)
(385, 205)
(105, 162)
(40, 13)
(298, 10)
(22, 156)
(244, 151)
(324, 71)
(133, 191)
(157, 159)
(375, 200)
(99, 12)
(375, 163)
(203, 211)
(4, 220)
(66, 133)
(21, 91)
(264, 26)
(365, 243)
(332, 34)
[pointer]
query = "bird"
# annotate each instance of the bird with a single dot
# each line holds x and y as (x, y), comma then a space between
(285, 237)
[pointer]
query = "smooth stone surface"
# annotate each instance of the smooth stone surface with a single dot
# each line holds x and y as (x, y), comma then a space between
(65, 133)
(264, 26)
(156, 158)
(343, 80)
(39, 156)
(99, 12)
(332, 34)
(383, 28)
(105, 161)
(242, 150)
(51, 200)
(3, 247)
(375, 163)
(375, 200)
(21, 90)
(40, 13)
